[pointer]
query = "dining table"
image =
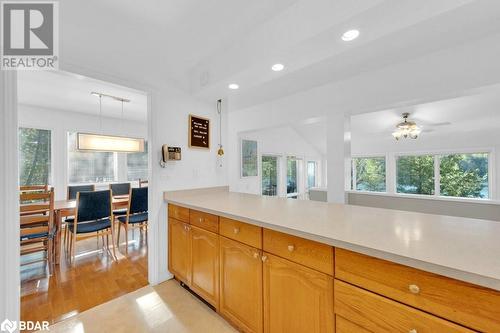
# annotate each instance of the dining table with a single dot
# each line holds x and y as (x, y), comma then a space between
(66, 208)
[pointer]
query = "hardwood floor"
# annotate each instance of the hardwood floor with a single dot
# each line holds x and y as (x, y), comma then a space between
(94, 279)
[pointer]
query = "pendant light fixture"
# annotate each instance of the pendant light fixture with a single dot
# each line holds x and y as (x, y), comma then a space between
(406, 129)
(220, 151)
(109, 143)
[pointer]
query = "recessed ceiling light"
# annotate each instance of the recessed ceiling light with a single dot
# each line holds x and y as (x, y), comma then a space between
(350, 35)
(233, 86)
(278, 67)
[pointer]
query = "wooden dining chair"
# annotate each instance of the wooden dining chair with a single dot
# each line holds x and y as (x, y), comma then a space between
(72, 192)
(94, 216)
(36, 225)
(120, 189)
(29, 188)
(137, 213)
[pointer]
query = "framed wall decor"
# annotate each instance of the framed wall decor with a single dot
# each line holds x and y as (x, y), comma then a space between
(249, 158)
(199, 132)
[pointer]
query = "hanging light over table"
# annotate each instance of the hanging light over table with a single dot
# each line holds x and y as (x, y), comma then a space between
(109, 143)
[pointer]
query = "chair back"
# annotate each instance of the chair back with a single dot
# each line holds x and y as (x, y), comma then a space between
(143, 183)
(73, 190)
(120, 188)
(92, 206)
(27, 188)
(138, 200)
(36, 210)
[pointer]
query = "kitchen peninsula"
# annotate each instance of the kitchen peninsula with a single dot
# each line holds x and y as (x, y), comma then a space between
(280, 265)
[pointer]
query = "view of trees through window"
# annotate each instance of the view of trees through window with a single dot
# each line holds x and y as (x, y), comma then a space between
(269, 175)
(369, 174)
(464, 175)
(89, 167)
(415, 174)
(137, 164)
(34, 156)
(291, 176)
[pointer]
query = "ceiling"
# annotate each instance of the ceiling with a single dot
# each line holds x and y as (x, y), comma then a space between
(69, 92)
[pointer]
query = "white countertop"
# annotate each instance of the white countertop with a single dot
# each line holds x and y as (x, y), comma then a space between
(460, 248)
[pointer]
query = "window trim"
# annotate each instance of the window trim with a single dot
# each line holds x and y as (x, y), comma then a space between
(353, 171)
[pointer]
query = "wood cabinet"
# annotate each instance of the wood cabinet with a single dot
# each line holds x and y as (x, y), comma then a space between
(296, 298)
(179, 250)
(205, 264)
(241, 232)
(241, 285)
(179, 213)
(203, 220)
(378, 314)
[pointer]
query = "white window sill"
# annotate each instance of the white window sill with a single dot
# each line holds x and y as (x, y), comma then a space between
(428, 197)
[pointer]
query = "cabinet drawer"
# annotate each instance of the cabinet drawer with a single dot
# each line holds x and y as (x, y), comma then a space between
(377, 314)
(204, 220)
(242, 232)
(469, 305)
(178, 213)
(302, 251)
(345, 326)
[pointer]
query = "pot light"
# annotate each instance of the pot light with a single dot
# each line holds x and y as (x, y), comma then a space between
(278, 67)
(350, 35)
(233, 86)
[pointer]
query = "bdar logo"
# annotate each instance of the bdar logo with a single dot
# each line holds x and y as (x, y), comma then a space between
(8, 326)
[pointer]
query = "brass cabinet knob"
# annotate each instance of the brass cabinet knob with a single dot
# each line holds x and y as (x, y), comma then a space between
(256, 255)
(291, 248)
(236, 230)
(414, 289)
(200, 219)
(412, 331)
(264, 258)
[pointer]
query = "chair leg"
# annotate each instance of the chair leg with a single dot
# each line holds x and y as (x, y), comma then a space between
(118, 237)
(73, 248)
(113, 243)
(126, 237)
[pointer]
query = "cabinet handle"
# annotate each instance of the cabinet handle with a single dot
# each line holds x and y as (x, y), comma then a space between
(264, 258)
(236, 230)
(256, 255)
(186, 228)
(412, 331)
(291, 248)
(414, 289)
(200, 219)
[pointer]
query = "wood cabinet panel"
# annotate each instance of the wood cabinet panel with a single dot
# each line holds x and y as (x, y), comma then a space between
(242, 232)
(204, 220)
(378, 314)
(179, 250)
(241, 285)
(205, 264)
(343, 325)
(303, 251)
(472, 306)
(297, 299)
(178, 213)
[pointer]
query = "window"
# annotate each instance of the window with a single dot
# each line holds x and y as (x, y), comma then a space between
(137, 165)
(89, 167)
(415, 174)
(291, 177)
(464, 175)
(311, 173)
(269, 175)
(34, 156)
(368, 174)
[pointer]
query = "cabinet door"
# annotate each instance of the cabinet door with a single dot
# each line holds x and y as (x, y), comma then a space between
(205, 264)
(296, 298)
(179, 250)
(241, 285)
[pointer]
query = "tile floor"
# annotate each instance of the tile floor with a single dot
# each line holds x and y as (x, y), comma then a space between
(167, 308)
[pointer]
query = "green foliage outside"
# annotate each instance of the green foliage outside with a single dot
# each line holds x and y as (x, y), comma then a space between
(291, 175)
(464, 175)
(269, 175)
(370, 174)
(34, 156)
(415, 174)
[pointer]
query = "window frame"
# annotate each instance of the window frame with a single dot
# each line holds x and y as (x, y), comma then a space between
(353, 172)
(52, 130)
(278, 171)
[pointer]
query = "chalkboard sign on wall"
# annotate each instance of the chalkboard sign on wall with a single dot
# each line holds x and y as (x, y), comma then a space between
(199, 132)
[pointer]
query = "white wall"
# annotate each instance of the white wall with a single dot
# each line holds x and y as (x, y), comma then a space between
(60, 122)
(281, 141)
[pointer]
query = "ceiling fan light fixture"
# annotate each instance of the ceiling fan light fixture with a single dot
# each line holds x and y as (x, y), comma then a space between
(406, 129)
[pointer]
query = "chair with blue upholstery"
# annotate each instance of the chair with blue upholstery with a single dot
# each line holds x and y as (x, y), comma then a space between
(94, 215)
(36, 225)
(71, 195)
(137, 213)
(120, 189)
